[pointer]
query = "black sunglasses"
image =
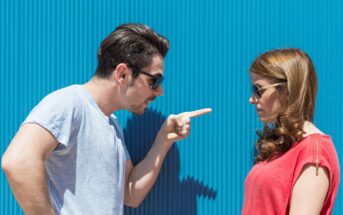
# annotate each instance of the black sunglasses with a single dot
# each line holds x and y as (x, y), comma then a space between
(257, 91)
(157, 79)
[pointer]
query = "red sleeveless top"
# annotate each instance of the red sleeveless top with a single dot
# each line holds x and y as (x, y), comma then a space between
(268, 186)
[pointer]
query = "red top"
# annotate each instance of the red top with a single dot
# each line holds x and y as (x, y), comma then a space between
(268, 186)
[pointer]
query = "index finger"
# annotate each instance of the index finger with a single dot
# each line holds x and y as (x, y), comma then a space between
(200, 112)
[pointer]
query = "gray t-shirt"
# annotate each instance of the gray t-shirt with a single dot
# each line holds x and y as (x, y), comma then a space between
(86, 172)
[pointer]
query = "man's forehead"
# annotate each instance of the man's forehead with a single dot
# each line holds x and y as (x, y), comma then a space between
(157, 61)
(157, 65)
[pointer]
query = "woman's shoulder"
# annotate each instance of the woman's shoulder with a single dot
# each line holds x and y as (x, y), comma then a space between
(313, 139)
(314, 136)
(309, 128)
(317, 146)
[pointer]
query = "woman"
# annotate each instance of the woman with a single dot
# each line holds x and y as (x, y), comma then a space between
(296, 169)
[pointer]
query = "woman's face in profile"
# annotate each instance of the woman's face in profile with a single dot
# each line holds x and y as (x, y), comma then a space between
(265, 96)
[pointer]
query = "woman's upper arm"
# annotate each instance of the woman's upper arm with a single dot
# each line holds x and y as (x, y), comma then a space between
(309, 191)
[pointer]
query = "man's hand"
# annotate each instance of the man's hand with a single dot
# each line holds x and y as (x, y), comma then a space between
(177, 127)
(139, 179)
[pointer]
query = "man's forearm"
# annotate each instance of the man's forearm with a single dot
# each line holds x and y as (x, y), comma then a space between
(144, 175)
(29, 186)
(141, 178)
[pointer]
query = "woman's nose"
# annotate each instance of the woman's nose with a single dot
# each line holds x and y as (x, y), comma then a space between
(252, 100)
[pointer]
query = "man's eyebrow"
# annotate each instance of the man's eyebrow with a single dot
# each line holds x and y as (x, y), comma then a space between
(157, 74)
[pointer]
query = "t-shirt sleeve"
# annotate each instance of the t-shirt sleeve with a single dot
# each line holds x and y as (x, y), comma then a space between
(57, 113)
(318, 147)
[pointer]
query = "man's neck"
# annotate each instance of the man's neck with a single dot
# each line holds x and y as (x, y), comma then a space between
(105, 95)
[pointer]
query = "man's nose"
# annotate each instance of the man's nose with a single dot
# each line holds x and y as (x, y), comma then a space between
(158, 91)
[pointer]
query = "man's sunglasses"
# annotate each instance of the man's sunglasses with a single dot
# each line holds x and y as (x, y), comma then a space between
(157, 79)
(257, 91)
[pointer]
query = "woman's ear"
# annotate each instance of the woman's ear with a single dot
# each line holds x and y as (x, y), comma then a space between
(285, 90)
(283, 95)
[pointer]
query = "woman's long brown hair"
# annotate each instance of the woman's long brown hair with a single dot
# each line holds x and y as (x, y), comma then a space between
(294, 67)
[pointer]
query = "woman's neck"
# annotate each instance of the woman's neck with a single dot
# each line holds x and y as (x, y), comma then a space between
(309, 128)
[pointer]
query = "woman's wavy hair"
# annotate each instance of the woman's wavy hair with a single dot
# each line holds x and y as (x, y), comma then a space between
(294, 67)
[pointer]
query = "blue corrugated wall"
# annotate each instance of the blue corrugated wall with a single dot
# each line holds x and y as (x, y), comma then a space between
(48, 44)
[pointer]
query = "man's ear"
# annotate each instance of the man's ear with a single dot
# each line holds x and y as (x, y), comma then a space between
(120, 74)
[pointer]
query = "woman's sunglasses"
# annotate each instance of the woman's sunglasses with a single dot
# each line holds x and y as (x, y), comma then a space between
(257, 91)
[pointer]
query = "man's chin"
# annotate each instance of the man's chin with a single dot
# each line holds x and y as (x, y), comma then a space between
(139, 112)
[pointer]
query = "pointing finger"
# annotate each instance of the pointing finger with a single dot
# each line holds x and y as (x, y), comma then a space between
(199, 112)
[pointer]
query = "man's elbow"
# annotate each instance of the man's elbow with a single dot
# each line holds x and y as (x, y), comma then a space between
(12, 165)
(133, 203)
(5, 164)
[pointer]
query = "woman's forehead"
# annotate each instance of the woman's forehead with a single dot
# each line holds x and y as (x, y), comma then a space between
(259, 79)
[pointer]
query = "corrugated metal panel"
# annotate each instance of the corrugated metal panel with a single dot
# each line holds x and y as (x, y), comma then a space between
(46, 45)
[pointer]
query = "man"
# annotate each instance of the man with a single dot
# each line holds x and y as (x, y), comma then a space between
(69, 156)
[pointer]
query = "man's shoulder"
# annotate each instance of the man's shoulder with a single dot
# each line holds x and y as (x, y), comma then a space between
(68, 91)
(65, 95)
(63, 99)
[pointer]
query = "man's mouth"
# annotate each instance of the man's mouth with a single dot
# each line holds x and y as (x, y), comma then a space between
(150, 100)
(147, 102)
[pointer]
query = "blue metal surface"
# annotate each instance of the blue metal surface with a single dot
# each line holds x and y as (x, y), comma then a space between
(46, 45)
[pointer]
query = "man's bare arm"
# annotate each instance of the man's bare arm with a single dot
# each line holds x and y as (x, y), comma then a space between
(23, 164)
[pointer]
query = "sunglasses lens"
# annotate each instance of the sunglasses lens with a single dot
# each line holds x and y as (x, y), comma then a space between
(255, 91)
(157, 82)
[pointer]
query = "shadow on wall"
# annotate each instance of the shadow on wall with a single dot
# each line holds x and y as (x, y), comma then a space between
(169, 195)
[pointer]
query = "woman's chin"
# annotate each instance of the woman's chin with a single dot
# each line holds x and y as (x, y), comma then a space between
(265, 119)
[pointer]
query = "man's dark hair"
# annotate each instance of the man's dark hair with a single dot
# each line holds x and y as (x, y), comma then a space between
(132, 44)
